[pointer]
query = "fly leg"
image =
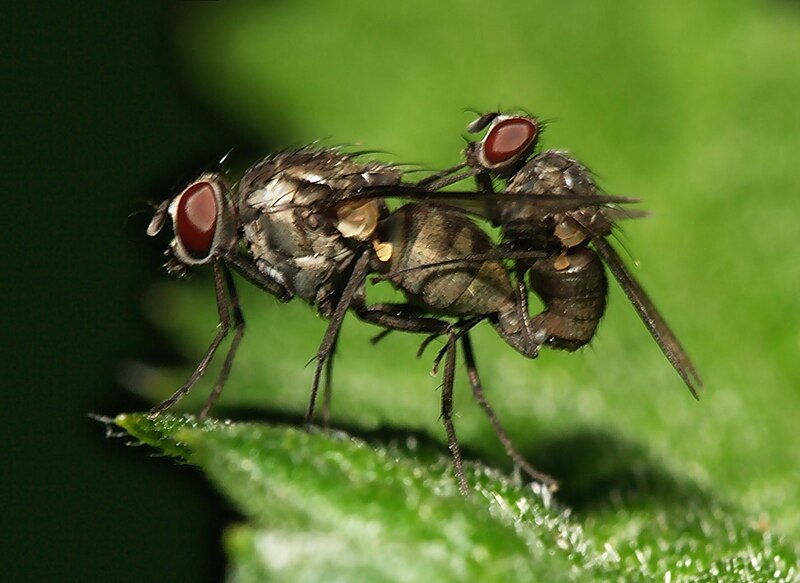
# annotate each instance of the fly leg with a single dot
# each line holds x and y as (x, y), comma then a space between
(396, 317)
(334, 326)
(248, 270)
(480, 397)
(445, 177)
(221, 277)
(327, 392)
(406, 311)
(238, 326)
(447, 411)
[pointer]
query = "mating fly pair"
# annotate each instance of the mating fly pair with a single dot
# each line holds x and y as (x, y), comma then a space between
(313, 224)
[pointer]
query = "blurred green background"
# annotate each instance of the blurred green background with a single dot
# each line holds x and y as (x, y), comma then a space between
(691, 107)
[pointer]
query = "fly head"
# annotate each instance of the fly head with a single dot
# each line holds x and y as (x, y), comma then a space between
(203, 223)
(507, 144)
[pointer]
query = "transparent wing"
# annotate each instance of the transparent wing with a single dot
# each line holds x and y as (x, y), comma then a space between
(647, 311)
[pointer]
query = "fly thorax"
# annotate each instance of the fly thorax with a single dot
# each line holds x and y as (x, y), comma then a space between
(288, 237)
(558, 173)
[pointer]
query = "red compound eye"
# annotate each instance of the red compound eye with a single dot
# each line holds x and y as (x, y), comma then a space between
(508, 138)
(197, 219)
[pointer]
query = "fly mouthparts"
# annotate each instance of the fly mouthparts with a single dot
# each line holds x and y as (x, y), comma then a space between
(157, 222)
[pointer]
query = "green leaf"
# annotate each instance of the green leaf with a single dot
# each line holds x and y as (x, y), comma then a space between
(327, 506)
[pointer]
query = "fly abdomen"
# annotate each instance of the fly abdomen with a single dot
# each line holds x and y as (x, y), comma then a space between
(422, 235)
(573, 288)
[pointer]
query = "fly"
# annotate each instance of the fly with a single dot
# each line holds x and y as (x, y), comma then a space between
(570, 279)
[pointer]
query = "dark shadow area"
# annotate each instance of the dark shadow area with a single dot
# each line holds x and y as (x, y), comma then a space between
(596, 469)
(96, 119)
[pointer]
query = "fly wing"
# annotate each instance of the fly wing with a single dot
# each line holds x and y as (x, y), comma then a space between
(498, 254)
(472, 202)
(616, 213)
(414, 192)
(647, 311)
